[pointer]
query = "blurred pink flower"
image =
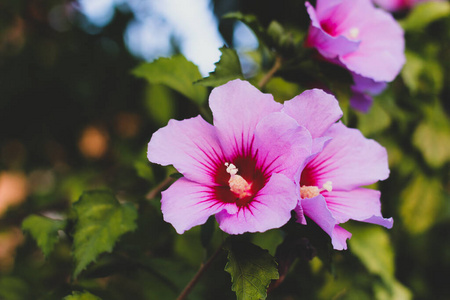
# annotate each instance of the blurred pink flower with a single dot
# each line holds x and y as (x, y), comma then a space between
(241, 169)
(356, 35)
(398, 5)
(330, 184)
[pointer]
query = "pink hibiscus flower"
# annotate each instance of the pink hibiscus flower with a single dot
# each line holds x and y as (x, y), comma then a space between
(356, 35)
(241, 169)
(330, 184)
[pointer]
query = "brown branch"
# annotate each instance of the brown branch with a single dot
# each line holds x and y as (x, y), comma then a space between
(197, 276)
(152, 194)
(276, 66)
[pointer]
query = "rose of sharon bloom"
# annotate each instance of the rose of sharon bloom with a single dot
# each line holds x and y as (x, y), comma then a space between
(397, 5)
(356, 35)
(330, 183)
(242, 169)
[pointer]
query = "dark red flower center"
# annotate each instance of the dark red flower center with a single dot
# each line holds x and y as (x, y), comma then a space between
(242, 185)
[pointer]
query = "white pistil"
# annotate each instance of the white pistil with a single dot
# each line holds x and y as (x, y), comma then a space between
(237, 183)
(231, 169)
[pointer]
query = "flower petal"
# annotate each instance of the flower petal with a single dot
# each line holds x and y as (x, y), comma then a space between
(361, 101)
(380, 55)
(340, 237)
(348, 161)
(317, 210)
(271, 208)
(359, 204)
(314, 109)
(237, 108)
(328, 46)
(367, 85)
(186, 204)
(191, 146)
(282, 145)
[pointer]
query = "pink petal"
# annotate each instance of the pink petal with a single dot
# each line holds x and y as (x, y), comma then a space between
(237, 108)
(191, 146)
(282, 145)
(340, 237)
(314, 109)
(317, 210)
(271, 208)
(300, 214)
(359, 204)
(348, 161)
(328, 46)
(361, 101)
(368, 85)
(380, 55)
(342, 15)
(380, 51)
(186, 204)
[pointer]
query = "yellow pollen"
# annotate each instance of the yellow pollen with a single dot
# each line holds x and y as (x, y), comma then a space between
(307, 192)
(237, 183)
(353, 33)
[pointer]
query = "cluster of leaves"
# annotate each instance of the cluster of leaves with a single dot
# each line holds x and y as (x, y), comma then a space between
(86, 243)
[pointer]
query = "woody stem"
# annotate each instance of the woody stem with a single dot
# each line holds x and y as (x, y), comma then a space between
(199, 274)
(276, 66)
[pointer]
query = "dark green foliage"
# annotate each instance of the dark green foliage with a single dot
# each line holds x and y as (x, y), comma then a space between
(101, 220)
(177, 73)
(227, 68)
(44, 231)
(251, 269)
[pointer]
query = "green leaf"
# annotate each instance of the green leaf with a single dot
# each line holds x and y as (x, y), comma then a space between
(188, 247)
(251, 269)
(412, 70)
(101, 221)
(14, 288)
(227, 68)
(372, 246)
(424, 14)
(421, 203)
(81, 296)
(394, 291)
(376, 120)
(269, 239)
(143, 167)
(281, 89)
(177, 73)
(160, 103)
(252, 22)
(44, 231)
(281, 39)
(422, 73)
(432, 136)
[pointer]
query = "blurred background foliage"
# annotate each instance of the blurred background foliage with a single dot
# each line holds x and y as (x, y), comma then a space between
(75, 119)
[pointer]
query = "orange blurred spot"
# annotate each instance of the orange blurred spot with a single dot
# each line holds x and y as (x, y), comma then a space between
(127, 124)
(93, 142)
(9, 241)
(13, 190)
